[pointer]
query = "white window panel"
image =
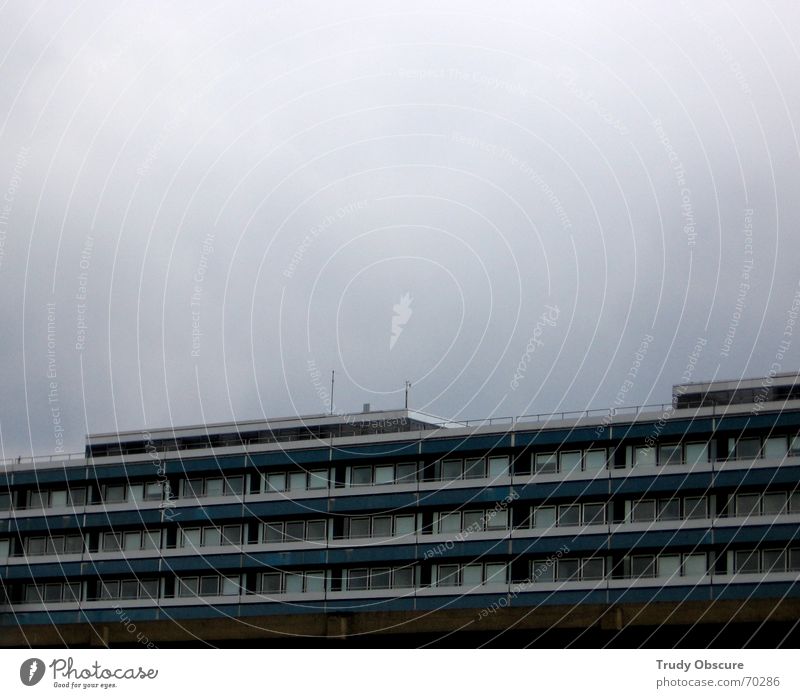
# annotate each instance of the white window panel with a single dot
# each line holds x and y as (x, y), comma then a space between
(645, 455)
(450, 523)
(495, 573)
(191, 537)
(775, 447)
(498, 466)
(696, 453)
(570, 461)
(297, 481)
(230, 586)
(276, 482)
(58, 498)
(694, 565)
(472, 575)
(544, 517)
(405, 525)
(669, 566)
(595, 459)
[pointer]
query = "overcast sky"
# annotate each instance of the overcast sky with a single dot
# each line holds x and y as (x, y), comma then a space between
(517, 207)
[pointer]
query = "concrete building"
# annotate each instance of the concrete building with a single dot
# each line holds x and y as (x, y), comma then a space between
(657, 526)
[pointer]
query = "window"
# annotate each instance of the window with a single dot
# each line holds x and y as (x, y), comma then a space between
(128, 589)
(384, 475)
(774, 503)
(670, 454)
(153, 491)
(775, 447)
(452, 470)
(406, 472)
(113, 494)
(595, 459)
(498, 466)
(212, 487)
(125, 541)
(568, 569)
(36, 546)
(546, 463)
(746, 561)
(669, 509)
(677, 565)
(37, 500)
(471, 575)
(570, 461)
(360, 528)
(230, 586)
(696, 453)
(474, 468)
(5, 501)
(54, 592)
(569, 515)
(361, 475)
(447, 576)
(450, 523)
(210, 536)
(669, 566)
(695, 508)
(748, 448)
(58, 498)
(188, 586)
(774, 560)
(297, 481)
(544, 517)
(594, 514)
(318, 480)
(4, 549)
(357, 579)
(112, 542)
(380, 526)
(694, 565)
(794, 502)
(794, 445)
(543, 571)
(644, 456)
(275, 482)
(643, 566)
(593, 568)
(644, 510)
(748, 504)
(405, 525)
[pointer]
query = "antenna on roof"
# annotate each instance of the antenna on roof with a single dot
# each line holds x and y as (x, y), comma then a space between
(408, 385)
(333, 374)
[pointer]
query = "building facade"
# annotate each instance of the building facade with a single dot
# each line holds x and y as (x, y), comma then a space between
(385, 527)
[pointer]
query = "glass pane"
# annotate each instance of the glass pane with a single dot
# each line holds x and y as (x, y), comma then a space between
(55, 544)
(542, 571)
(404, 525)
(380, 578)
(212, 536)
(315, 582)
(215, 487)
(151, 540)
(359, 528)
(497, 519)
(129, 589)
(544, 517)
(294, 583)
(747, 504)
(273, 532)
(546, 463)
(695, 508)
(567, 569)
(315, 530)
(569, 515)
(37, 500)
(644, 455)
(148, 589)
(592, 568)
(404, 578)
(794, 502)
(696, 453)
(192, 488)
(794, 559)
(746, 561)
(670, 454)
(495, 573)
(472, 575)
(276, 482)
(382, 526)
(775, 447)
(295, 530)
(474, 468)
(451, 469)
(794, 445)
(774, 560)
(109, 590)
(357, 579)
(297, 481)
(52, 592)
(58, 498)
(32, 593)
(191, 538)
(643, 566)
(111, 542)
(235, 485)
(35, 546)
(748, 448)
(152, 491)
(694, 565)
(361, 475)
(774, 503)
(594, 514)
(115, 493)
(447, 575)
(136, 493)
(406, 472)
(271, 583)
(72, 592)
(318, 480)
(5, 501)
(209, 586)
(132, 540)
(77, 496)
(669, 566)
(4, 549)
(498, 466)
(384, 474)
(644, 510)
(473, 521)
(570, 461)
(188, 586)
(231, 535)
(669, 509)
(230, 586)
(450, 523)
(595, 460)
